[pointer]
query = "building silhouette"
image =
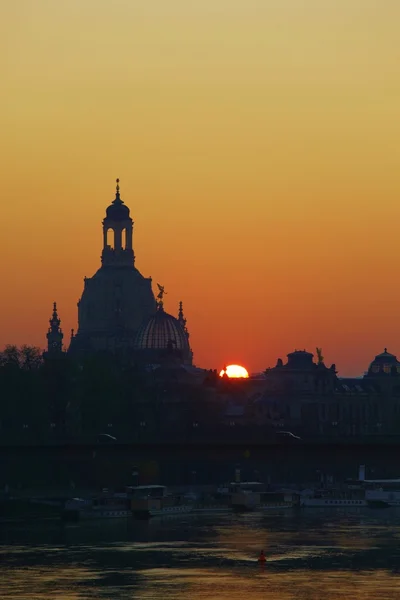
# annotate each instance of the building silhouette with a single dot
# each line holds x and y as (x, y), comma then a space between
(118, 312)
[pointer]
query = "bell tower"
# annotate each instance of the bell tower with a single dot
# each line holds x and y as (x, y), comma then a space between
(117, 235)
(54, 334)
(117, 298)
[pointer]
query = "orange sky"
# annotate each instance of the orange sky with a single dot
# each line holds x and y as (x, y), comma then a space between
(257, 144)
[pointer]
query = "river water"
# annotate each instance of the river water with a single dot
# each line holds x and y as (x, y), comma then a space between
(312, 555)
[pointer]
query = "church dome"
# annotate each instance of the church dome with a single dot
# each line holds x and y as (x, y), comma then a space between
(162, 332)
(384, 363)
(117, 211)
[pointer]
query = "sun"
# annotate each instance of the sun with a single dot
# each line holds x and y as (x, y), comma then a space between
(234, 371)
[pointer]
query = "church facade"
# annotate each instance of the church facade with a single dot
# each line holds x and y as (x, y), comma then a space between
(118, 311)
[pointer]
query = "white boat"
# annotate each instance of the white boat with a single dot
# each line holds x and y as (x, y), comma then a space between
(141, 501)
(147, 501)
(102, 507)
(333, 498)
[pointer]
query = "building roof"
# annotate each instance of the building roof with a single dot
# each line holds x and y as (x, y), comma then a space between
(355, 385)
(385, 357)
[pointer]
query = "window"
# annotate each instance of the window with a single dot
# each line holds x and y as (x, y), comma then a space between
(110, 238)
(142, 423)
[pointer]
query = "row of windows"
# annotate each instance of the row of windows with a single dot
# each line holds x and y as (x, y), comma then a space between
(342, 501)
(386, 369)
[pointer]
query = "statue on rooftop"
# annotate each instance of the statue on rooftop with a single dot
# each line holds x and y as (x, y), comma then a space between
(161, 292)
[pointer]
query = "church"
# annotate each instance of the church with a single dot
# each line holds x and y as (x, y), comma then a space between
(118, 312)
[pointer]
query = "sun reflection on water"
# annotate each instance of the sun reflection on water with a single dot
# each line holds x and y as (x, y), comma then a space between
(308, 558)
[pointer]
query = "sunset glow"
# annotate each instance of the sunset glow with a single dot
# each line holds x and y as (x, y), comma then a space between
(234, 372)
(257, 146)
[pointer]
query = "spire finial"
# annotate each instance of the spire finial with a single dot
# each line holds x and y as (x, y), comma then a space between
(117, 197)
(181, 318)
(54, 317)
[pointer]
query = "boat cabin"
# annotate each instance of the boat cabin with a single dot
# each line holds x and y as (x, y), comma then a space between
(146, 491)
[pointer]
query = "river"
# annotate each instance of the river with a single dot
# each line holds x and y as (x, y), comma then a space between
(311, 555)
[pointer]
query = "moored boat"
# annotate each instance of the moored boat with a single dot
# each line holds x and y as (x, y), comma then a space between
(147, 501)
(251, 496)
(333, 498)
(102, 507)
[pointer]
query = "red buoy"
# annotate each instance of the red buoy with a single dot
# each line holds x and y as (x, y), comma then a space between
(261, 558)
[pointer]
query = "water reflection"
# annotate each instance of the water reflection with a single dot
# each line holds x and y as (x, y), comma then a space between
(311, 555)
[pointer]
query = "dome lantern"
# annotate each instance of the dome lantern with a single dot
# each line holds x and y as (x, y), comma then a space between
(117, 234)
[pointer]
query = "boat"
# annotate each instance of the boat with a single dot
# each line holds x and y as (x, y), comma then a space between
(104, 506)
(333, 498)
(147, 501)
(374, 493)
(156, 501)
(251, 496)
(141, 502)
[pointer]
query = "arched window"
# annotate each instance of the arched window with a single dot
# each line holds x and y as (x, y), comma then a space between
(123, 239)
(110, 238)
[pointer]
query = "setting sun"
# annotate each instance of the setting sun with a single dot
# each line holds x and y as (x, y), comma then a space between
(234, 371)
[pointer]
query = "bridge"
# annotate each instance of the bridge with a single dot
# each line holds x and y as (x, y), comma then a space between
(111, 465)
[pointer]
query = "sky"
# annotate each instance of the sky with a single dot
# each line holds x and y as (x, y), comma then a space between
(257, 144)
